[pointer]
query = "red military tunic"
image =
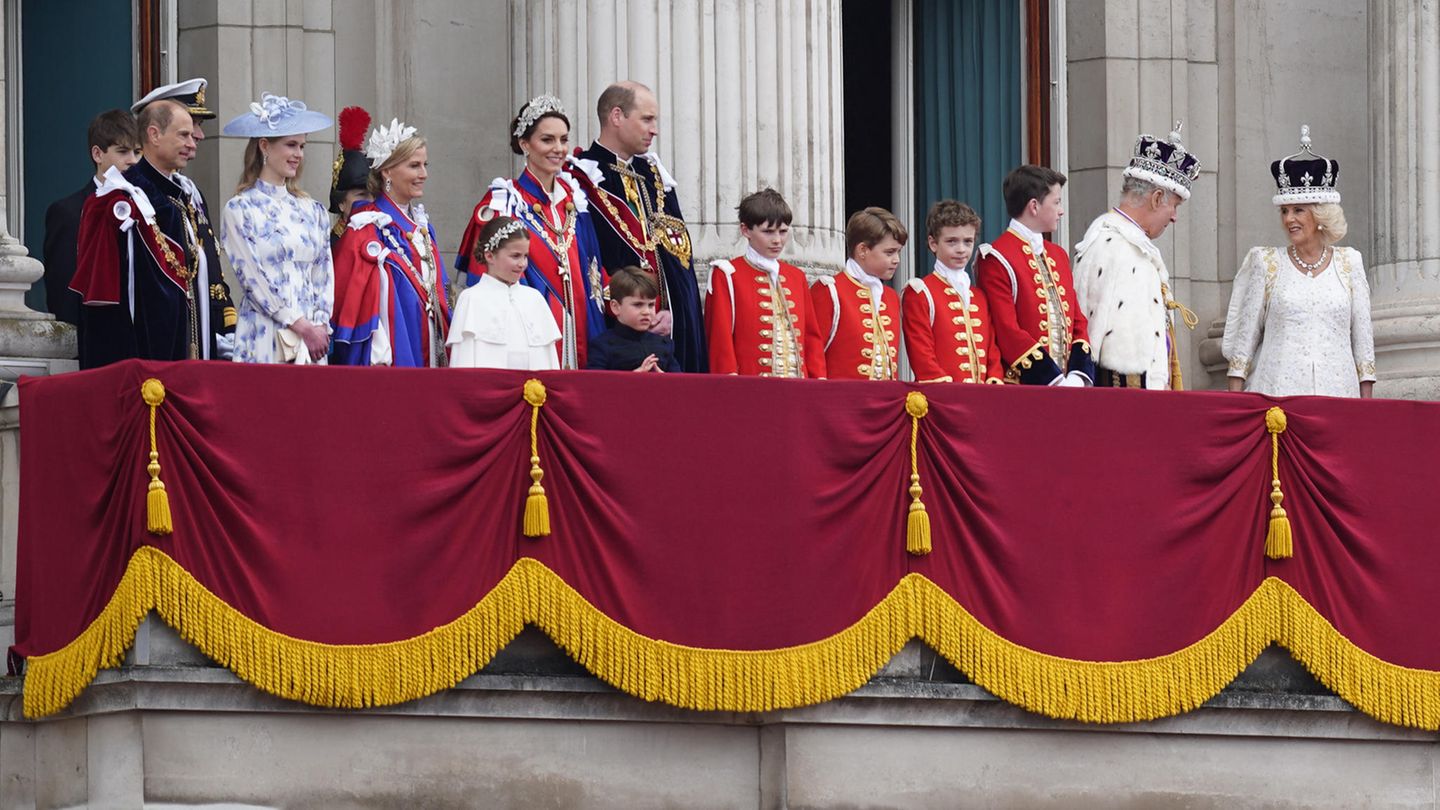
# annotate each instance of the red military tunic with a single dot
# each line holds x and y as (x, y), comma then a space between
(946, 339)
(744, 334)
(1038, 325)
(861, 336)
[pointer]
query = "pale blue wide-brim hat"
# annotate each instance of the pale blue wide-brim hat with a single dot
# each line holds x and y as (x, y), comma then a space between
(276, 116)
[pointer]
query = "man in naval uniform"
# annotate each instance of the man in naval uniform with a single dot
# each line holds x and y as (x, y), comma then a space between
(149, 274)
(1121, 282)
(638, 218)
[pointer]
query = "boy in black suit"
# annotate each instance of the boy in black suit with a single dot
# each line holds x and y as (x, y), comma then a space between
(114, 141)
(630, 345)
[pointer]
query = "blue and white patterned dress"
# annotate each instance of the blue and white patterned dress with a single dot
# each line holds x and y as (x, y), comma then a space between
(279, 248)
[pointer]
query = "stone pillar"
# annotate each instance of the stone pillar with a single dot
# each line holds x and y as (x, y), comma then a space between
(1133, 68)
(1405, 181)
(749, 93)
(248, 47)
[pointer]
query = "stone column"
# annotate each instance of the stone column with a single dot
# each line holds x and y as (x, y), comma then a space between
(1133, 68)
(1405, 180)
(750, 96)
(246, 48)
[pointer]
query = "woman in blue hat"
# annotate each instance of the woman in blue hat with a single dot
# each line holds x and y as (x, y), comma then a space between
(277, 238)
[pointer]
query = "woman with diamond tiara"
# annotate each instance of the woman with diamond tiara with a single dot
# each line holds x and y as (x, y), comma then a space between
(1299, 318)
(391, 305)
(564, 254)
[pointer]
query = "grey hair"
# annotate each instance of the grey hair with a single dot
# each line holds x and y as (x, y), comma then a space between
(1136, 190)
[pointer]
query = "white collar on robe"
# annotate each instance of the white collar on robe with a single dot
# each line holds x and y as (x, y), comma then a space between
(755, 260)
(959, 279)
(1036, 240)
(876, 285)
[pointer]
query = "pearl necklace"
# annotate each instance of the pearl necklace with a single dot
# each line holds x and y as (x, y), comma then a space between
(1310, 269)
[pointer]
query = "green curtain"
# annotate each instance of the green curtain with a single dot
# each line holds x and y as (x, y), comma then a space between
(77, 64)
(968, 109)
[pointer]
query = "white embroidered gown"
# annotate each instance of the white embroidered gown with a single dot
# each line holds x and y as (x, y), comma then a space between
(279, 248)
(1287, 333)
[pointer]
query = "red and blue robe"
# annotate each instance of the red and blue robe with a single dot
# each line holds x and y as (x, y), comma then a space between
(525, 200)
(378, 281)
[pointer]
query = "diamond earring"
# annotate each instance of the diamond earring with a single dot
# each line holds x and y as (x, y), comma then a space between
(387, 185)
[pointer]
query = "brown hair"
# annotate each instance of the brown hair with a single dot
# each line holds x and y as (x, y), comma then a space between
(375, 182)
(949, 214)
(628, 282)
(619, 94)
(254, 160)
(1028, 183)
(493, 227)
(870, 226)
(159, 114)
(112, 128)
(764, 207)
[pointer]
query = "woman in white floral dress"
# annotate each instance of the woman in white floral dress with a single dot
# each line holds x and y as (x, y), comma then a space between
(1299, 318)
(278, 240)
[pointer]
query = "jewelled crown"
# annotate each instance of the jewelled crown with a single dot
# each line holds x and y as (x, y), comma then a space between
(1165, 163)
(1305, 177)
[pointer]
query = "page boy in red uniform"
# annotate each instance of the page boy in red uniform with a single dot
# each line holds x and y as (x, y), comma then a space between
(948, 332)
(758, 316)
(857, 312)
(1027, 283)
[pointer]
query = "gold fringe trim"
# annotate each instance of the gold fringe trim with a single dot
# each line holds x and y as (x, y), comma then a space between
(356, 676)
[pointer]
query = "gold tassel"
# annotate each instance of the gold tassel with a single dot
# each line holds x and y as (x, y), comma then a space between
(157, 500)
(1279, 541)
(917, 524)
(537, 508)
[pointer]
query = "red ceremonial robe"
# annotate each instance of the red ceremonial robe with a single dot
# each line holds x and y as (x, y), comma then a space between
(947, 340)
(1019, 292)
(740, 322)
(861, 336)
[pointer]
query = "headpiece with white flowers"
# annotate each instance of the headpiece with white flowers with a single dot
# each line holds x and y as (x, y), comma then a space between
(384, 139)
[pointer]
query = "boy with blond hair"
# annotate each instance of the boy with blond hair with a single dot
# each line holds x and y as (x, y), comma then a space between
(857, 312)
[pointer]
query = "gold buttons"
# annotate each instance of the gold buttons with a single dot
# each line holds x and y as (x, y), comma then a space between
(767, 333)
(868, 323)
(867, 337)
(867, 353)
(866, 308)
(764, 361)
(765, 347)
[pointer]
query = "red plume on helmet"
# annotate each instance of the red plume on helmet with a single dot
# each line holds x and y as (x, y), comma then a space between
(354, 122)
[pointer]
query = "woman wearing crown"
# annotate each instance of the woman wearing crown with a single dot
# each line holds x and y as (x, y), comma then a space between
(391, 306)
(1299, 318)
(564, 253)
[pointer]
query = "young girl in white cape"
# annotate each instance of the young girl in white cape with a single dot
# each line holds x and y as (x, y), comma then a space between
(499, 322)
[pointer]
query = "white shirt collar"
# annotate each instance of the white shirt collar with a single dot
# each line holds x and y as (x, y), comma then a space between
(852, 269)
(1036, 240)
(754, 259)
(487, 280)
(959, 279)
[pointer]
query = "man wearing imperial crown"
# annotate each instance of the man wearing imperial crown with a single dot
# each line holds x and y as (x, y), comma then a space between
(147, 269)
(638, 213)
